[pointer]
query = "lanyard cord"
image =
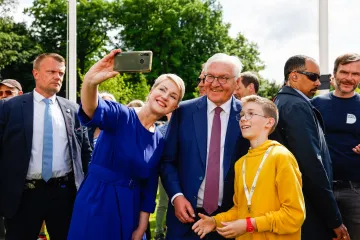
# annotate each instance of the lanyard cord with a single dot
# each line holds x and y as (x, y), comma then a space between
(247, 193)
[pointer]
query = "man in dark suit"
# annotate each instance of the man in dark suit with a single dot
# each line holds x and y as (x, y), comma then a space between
(300, 129)
(203, 142)
(44, 153)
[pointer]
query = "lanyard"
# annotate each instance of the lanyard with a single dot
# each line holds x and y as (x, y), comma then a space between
(247, 193)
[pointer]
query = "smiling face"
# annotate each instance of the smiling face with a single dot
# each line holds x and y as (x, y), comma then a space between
(164, 98)
(347, 78)
(254, 123)
(216, 92)
(49, 76)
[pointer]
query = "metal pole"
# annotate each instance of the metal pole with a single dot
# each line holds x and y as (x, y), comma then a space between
(324, 39)
(72, 59)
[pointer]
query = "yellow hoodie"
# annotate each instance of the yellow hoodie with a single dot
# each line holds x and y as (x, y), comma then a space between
(277, 203)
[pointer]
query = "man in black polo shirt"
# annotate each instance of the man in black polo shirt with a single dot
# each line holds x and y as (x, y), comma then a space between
(340, 110)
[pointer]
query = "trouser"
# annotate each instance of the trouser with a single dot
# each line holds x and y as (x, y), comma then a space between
(2, 228)
(347, 195)
(52, 201)
(161, 209)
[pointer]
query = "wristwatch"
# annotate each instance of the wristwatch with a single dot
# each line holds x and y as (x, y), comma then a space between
(249, 227)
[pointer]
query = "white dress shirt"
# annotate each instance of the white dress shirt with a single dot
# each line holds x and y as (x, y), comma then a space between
(61, 164)
(224, 117)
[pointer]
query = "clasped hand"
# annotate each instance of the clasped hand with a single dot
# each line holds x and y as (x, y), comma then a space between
(207, 224)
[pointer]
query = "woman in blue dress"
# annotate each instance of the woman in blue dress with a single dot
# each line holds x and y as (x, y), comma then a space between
(118, 194)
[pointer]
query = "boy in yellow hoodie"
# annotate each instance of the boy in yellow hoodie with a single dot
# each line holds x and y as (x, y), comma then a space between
(268, 199)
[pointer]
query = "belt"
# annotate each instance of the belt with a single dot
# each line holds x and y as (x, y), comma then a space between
(346, 184)
(36, 183)
(110, 177)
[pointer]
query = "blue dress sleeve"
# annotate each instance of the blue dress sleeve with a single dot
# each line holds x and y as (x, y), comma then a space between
(107, 115)
(148, 189)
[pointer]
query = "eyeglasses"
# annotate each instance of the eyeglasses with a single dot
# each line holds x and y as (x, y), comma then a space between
(199, 79)
(7, 93)
(311, 76)
(221, 79)
(247, 115)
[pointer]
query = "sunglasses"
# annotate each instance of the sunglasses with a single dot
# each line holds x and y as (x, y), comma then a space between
(311, 76)
(6, 93)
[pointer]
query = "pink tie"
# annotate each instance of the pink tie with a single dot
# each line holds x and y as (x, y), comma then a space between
(211, 194)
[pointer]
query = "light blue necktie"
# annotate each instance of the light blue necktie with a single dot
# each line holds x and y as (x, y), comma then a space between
(47, 142)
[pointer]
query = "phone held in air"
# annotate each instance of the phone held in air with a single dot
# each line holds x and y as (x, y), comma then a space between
(133, 61)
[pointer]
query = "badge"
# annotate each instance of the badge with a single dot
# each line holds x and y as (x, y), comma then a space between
(30, 185)
(350, 118)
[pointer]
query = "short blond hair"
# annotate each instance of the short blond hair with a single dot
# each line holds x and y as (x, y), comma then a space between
(107, 94)
(269, 108)
(41, 57)
(136, 103)
(173, 77)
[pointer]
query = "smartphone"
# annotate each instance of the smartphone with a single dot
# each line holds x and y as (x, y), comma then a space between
(134, 61)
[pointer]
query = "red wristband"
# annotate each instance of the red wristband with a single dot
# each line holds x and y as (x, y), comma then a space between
(249, 227)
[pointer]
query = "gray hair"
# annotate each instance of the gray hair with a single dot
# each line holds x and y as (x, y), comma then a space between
(227, 59)
(136, 103)
(173, 77)
(106, 94)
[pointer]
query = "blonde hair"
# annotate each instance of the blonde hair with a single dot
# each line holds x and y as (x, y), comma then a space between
(173, 77)
(41, 57)
(136, 103)
(269, 108)
(106, 94)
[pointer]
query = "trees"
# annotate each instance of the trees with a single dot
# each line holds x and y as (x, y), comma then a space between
(17, 47)
(183, 34)
(94, 21)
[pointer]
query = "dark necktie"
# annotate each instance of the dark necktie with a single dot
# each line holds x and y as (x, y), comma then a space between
(211, 193)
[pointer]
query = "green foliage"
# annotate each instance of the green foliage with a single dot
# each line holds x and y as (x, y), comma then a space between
(94, 21)
(16, 46)
(247, 52)
(17, 50)
(268, 89)
(183, 34)
(126, 87)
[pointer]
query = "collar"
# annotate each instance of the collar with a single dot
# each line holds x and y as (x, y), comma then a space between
(302, 94)
(38, 97)
(225, 106)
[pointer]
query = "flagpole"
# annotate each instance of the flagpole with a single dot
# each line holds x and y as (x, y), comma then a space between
(71, 52)
(324, 41)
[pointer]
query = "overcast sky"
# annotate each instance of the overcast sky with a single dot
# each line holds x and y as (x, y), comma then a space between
(283, 28)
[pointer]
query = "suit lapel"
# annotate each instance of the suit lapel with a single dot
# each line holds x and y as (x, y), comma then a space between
(200, 123)
(232, 133)
(66, 112)
(28, 118)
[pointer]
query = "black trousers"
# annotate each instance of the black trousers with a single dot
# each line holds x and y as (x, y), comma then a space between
(2, 228)
(52, 201)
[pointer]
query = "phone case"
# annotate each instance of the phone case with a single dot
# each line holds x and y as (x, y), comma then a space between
(135, 61)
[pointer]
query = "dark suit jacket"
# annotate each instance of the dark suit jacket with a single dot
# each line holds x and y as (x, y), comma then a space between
(16, 131)
(300, 129)
(184, 158)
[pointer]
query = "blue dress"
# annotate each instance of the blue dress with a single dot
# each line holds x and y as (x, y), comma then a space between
(122, 178)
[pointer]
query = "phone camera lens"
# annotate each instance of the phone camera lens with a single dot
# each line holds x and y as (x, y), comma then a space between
(142, 61)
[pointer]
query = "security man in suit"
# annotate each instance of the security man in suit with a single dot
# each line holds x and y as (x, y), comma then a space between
(44, 153)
